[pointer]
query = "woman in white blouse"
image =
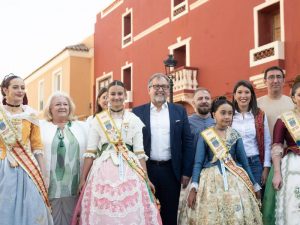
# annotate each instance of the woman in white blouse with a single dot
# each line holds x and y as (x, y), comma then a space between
(251, 122)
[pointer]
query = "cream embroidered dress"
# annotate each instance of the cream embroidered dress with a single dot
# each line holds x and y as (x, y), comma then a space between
(20, 201)
(215, 205)
(115, 193)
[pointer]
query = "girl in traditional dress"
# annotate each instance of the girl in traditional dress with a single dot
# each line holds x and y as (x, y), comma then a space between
(252, 124)
(222, 190)
(64, 139)
(117, 189)
(23, 195)
(286, 161)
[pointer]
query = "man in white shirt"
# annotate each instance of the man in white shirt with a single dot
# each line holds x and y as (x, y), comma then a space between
(168, 143)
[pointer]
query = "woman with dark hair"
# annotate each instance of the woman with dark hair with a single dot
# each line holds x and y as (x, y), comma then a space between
(100, 104)
(252, 124)
(286, 178)
(222, 190)
(23, 194)
(117, 189)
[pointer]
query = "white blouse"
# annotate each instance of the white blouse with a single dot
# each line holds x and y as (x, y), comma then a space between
(131, 130)
(245, 125)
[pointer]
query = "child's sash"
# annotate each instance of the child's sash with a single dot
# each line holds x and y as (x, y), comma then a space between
(113, 135)
(221, 152)
(14, 146)
(293, 125)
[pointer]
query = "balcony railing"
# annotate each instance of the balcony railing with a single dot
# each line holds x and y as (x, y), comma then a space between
(127, 40)
(267, 53)
(179, 10)
(185, 78)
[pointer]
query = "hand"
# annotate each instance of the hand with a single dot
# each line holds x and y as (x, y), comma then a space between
(81, 184)
(152, 187)
(277, 181)
(185, 181)
(264, 175)
(258, 195)
(192, 198)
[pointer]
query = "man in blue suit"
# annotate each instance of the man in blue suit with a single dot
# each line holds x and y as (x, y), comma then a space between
(169, 145)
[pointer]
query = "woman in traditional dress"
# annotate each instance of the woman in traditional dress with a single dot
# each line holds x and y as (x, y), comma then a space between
(286, 161)
(222, 190)
(64, 139)
(101, 104)
(23, 195)
(117, 189)
(252, 124)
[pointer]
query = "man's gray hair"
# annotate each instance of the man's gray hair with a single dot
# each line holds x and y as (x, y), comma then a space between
(157, 76)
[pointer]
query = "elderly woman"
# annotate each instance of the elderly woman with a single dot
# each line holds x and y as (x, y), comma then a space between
(64, 141)
(23, 195)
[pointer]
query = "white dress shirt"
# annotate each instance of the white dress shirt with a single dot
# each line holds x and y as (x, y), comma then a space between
(245, 125)
(160, 133)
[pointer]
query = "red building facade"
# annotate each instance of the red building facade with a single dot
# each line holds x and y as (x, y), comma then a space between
(215, 42)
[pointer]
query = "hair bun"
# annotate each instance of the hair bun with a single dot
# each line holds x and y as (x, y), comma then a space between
(297, 80)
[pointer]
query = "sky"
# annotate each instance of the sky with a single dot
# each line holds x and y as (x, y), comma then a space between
(33, 31)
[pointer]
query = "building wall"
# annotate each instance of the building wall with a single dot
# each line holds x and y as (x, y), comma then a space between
(47, 77)
(221, 35)
(80, 86)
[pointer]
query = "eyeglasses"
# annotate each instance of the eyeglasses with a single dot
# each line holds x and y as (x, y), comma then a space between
(273, 77)
(157, 87)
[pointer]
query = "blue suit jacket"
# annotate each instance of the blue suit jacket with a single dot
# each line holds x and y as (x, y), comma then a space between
(182, 151)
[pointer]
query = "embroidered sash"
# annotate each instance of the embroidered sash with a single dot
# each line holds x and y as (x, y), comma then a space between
(113, 135)
(15, 148)
(292, 123)
(260, 134)
(221, 152)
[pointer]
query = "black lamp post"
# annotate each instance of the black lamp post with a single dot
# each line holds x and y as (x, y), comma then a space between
(170, 62)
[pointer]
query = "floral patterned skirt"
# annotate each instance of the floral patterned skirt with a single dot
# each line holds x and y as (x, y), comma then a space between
(287, 210)
(109, 199)
(215, 206)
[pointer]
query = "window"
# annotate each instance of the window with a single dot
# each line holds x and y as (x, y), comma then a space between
(103, 81)
(180, 56)
(269, 29)
(177, 2)
(41, 95)
(57, 81)
(127, 28)
(127, 78)
(178, 8)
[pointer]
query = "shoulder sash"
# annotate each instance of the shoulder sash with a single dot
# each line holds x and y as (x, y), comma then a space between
(292, 124)
(14, 146)
(221, 152)
(113, 135)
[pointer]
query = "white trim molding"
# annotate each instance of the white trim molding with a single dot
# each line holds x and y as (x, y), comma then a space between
(104, 76)
(255, 16)
(128, 39)
(115, 4)
(179, 10)
(55, 74)
(180, 43)
(129, 93)
(152, 28)
(41, 94)
(266, 53)
(197, 4)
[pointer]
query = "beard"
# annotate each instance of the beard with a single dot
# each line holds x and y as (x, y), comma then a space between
(203, 110)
